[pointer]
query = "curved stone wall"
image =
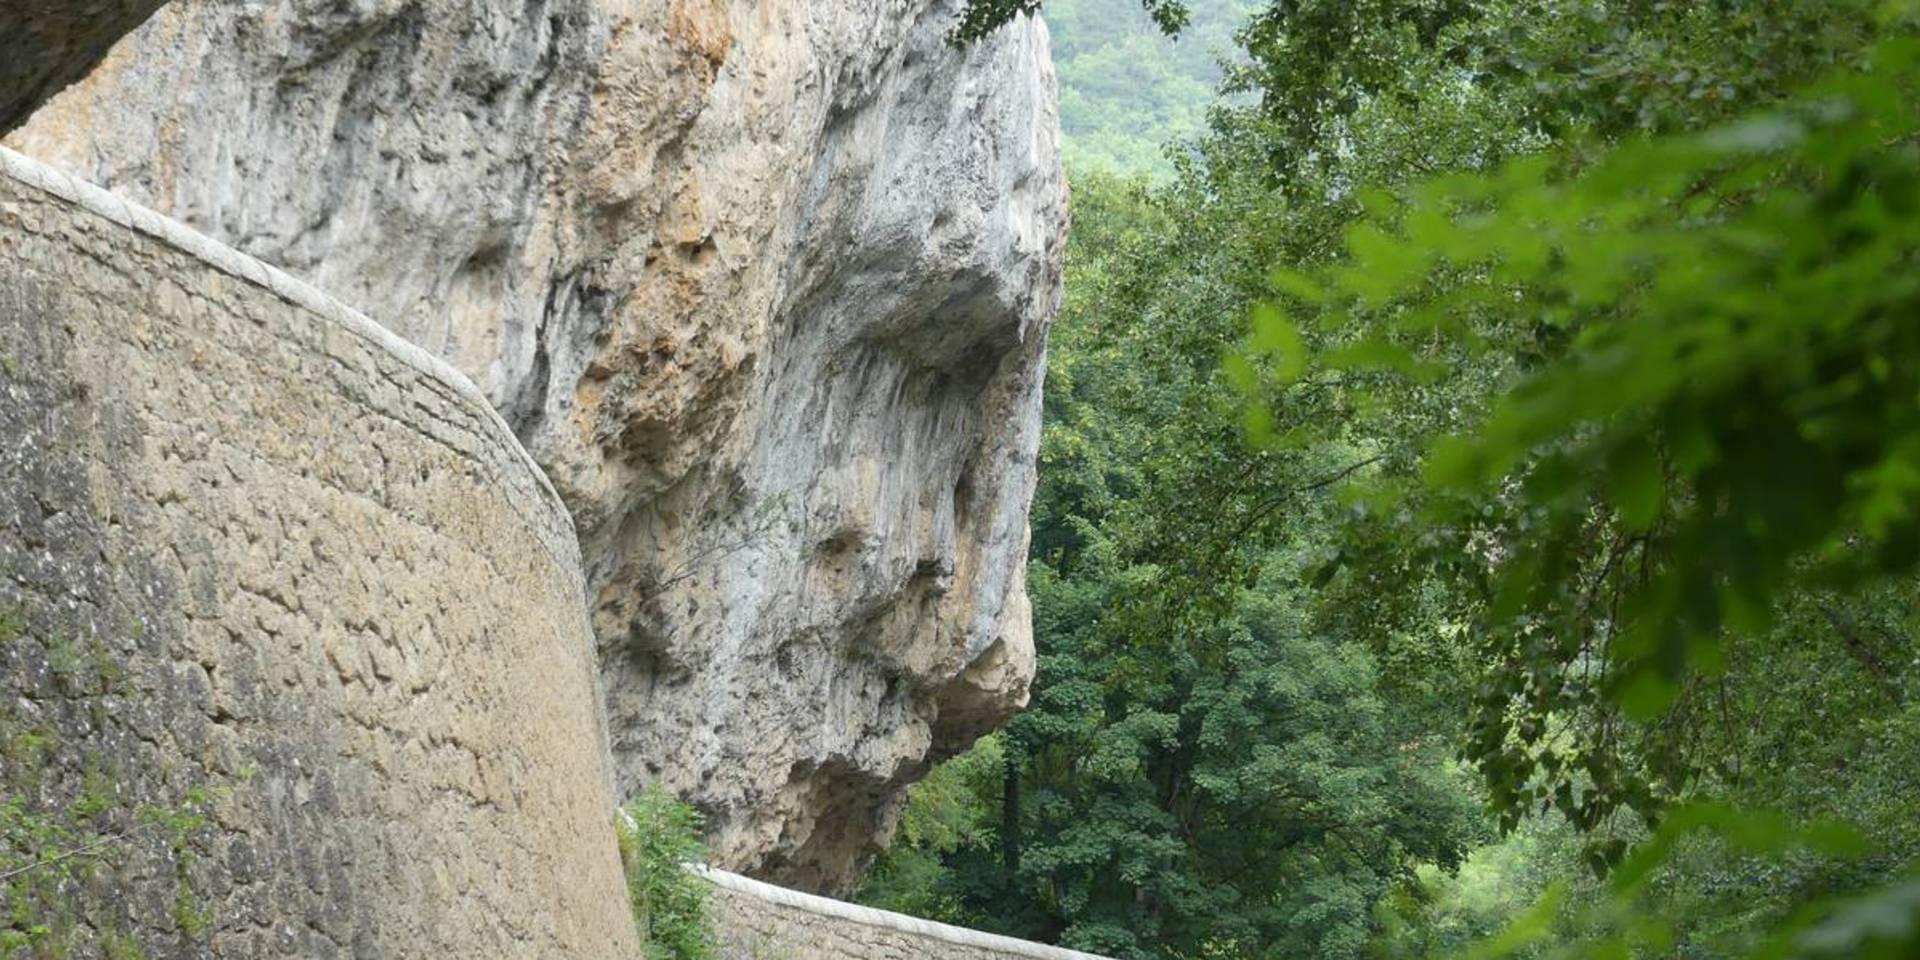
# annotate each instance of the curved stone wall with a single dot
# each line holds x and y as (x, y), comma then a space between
(294, 654)
(759, 921)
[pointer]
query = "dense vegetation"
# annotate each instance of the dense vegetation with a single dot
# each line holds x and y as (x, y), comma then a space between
(1479, 499)
(659, 835)
(1129, 96)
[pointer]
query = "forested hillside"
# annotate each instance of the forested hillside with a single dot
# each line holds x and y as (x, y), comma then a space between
(1127, 91)
(1479, 505)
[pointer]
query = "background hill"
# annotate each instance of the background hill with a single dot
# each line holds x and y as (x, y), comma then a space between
(1127, 90)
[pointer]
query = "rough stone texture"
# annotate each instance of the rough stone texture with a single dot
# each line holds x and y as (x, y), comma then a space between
(250, 541)
(765, 288)
(47, 44)
(757, 921)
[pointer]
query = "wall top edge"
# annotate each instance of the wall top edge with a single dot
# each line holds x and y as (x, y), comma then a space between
(110, 206)
(884, 919)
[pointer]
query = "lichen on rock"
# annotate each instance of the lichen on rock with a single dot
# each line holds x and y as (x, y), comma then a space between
(765, 289)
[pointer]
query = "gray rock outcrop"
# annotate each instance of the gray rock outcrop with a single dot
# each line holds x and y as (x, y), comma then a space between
(763, 287)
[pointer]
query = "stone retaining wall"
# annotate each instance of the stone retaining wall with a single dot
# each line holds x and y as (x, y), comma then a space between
(294, 656)
(759, 921)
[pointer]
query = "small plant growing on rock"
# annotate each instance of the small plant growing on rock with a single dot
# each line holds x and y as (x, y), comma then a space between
(659, 836)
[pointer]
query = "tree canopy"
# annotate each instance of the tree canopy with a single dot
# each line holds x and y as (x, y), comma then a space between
(1478, 497)
(1131, 99)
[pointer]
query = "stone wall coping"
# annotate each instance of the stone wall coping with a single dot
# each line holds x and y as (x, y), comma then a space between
(111, 206)
(884, 919)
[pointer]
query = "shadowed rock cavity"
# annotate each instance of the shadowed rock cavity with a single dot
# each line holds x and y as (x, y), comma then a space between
(44, 46)
(764, 287)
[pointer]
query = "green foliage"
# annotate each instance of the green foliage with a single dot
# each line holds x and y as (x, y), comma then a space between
(944, 812)
(45, 853)
(982, 17)
(1136, 77)
(1441, 913)
(1644, 908)
(1130, 96)
(119, 946)
(1204, 769)
(951, 811)
(1884, 925)
(61, 835)
(1585, 385)
(1682, 418)
(659, 836)
(1721, 416)
(1243, 788)
(65, 661)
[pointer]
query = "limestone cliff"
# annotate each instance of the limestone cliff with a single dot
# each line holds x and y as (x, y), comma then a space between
(765, 289)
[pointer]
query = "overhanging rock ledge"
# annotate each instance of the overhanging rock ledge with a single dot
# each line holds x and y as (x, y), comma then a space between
(764, 287)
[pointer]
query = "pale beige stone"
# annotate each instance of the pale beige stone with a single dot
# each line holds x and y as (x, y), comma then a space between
(758, 921)
(309, 568)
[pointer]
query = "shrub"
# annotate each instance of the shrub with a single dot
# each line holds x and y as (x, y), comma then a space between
(659, 835)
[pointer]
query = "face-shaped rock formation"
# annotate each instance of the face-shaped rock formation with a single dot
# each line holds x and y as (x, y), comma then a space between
(763, 286)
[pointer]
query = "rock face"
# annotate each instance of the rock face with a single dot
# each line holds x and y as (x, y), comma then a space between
(45, 46)
(765, 289)
(294, 651)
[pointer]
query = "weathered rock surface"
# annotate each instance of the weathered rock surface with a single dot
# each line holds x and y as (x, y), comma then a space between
(264, 563)
(764, 287)
(45, 46)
